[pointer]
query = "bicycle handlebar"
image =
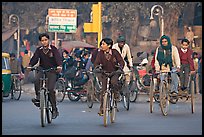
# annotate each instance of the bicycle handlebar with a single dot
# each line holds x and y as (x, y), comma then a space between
(42, 70)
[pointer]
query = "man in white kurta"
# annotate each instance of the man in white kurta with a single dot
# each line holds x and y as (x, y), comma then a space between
(124, 50)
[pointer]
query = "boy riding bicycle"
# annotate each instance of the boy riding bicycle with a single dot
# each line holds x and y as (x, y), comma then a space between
(109, 58)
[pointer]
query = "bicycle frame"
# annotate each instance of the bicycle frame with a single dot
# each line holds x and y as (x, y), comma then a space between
(45, 104)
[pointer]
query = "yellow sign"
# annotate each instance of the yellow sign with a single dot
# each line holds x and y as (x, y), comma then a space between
(96, 25)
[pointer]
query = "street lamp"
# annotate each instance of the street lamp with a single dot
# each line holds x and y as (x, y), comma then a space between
(158, 10)
(13, 18)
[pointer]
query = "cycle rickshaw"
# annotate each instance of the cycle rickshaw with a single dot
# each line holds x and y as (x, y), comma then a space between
(11, 83)
(166, 96)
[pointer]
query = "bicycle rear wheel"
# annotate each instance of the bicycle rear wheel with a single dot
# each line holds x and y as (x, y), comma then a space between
(164, 98)
(60, 90)
(106, 103)
(42, 107)
(113, 109)
(17, 90)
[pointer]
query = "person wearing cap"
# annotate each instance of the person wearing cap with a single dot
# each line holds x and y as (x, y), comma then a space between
(124, 49)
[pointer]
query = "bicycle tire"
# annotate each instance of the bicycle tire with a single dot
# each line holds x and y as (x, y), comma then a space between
(151, 96)
(113, 109)
(106, 103)
(133, 91)
(42, 107)
(139, 85)
(17, 90)
(164, 98)
(60, 90)
(126, 100)
(73, 96)
(90, 100)
(48, 109)
(192, 97)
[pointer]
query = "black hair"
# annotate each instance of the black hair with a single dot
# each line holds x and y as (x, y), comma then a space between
(12, 55)
(66, 52)
(43, 35)
(108, 41)
(194, 53)
(185, 40)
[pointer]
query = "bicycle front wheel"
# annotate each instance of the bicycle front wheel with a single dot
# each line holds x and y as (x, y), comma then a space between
(133, 91)
(60, 90)
(42, 107)
(17, 89)
(113, 109)
(151, 92)
(106, 102)
(126, 100)
(164, 98)
(48, 110)
(192, 97)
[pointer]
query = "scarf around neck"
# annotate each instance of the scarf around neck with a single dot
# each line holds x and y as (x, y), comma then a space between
(166, 58)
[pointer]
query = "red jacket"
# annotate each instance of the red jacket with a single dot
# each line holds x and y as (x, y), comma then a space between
(186, 58)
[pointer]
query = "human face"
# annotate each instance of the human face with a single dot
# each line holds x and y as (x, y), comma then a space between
(184, 45)
(164, 42)
(104, 46)
(65, 55)
(121, 44)
(45, 41)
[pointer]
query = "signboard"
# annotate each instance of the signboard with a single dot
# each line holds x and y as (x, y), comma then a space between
(62, 20)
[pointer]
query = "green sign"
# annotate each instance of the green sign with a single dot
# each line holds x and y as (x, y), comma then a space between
(62, 28)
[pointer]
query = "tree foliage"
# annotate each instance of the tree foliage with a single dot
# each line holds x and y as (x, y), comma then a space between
(124, 17)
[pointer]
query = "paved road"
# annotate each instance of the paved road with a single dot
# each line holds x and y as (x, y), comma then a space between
(23, 118)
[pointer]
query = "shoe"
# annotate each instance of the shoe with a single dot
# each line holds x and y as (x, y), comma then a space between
(55, 113)
(174, 94)
(148, 100)
(117, 97)
(100, 113)
(36, 102)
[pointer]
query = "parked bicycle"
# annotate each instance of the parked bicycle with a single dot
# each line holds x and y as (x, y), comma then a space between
(141, 83)
(94, 92)
(45, 104)
(16, 86)
(71, 87)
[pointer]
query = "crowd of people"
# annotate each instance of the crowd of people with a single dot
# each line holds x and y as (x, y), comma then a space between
(166, 57)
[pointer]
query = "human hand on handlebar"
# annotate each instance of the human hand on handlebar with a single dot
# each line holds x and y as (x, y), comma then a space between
(59, 69)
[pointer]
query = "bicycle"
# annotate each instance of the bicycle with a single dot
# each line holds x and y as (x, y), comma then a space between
(93, 94)
(65, 86)
(45, 104)
(125, 91)
(137, 85)
(16, 86)
(109, 101)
